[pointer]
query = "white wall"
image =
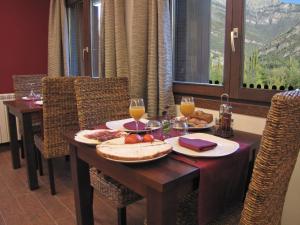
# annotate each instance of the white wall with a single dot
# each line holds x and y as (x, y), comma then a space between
(291, 215)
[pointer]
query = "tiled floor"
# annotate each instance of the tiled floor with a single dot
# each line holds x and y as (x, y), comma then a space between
(20, 206)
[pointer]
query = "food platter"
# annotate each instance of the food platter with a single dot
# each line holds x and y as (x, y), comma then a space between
(83, 135)
(116, 150)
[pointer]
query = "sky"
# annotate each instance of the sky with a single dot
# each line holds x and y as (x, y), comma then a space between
(291, 1)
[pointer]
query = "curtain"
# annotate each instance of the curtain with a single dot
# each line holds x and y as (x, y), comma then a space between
(115, 53)
(58, 52)
(137, 44)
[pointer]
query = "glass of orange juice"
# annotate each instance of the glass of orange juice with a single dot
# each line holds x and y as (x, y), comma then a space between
(187, 107)
(136, 109)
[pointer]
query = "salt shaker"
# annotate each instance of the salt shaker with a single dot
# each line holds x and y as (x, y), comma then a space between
(223, 125)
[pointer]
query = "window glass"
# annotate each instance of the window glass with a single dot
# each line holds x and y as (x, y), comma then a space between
(272, 44)
(199, 28)
(75, 18)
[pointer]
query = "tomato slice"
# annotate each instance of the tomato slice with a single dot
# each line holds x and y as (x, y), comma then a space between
(148, 138)
(133, 139)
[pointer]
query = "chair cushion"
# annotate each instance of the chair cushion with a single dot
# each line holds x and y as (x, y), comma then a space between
(117, 194)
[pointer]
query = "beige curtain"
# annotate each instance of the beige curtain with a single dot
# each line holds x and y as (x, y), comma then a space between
(58, 57)
(137, 43)
(115, 62)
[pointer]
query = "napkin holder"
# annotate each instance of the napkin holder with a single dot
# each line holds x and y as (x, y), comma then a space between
(223, 126)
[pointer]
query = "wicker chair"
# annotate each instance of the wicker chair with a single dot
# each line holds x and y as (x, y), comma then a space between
(273, 168)
(59, 115)
(22, 87)
(100, 100)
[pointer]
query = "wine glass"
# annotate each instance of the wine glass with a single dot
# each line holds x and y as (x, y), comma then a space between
(187, 107)
(32, 94)
(136, 109)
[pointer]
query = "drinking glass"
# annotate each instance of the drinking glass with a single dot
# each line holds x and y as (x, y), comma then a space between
(187, 107)
(154, 127)
(136, 109)
(179, 126)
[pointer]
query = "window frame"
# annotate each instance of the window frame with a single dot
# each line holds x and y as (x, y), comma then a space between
(233, 65)
(87, 38)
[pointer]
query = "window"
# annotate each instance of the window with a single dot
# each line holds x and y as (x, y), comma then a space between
(81, 43)
(249, 49)
(75, 20)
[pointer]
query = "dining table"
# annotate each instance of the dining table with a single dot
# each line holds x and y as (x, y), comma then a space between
(24, 110)
(163, 182)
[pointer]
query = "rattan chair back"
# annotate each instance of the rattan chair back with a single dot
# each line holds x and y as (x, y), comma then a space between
(59, 114)
(275, 161)
(23, 84)
(100, 100)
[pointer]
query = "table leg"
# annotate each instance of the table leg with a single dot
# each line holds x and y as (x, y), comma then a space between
(28, 143)
(83, 192)
(14, 146)
(161, 207)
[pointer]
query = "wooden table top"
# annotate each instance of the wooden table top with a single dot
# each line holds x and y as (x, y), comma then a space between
(23, 106)
(160, 174)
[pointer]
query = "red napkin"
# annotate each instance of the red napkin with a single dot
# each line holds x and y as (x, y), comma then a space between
(198, 145)
(132, 125)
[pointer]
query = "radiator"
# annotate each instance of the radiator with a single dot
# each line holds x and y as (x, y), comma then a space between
(4, 130)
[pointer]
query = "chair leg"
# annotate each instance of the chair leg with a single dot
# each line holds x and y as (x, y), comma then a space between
(122, 216)
(51, 176)
(67, 158)
(22, 148)
(92, 195)
(40, 163)
(36, 158)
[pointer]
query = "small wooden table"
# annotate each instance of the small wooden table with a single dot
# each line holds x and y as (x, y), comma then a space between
(161, 181)
(23, 110)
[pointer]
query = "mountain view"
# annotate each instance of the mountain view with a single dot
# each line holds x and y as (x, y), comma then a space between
(272, 42)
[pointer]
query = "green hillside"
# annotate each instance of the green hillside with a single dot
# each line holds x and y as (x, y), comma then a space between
(272, 43)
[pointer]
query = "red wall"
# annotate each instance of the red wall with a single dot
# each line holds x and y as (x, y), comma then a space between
(23, 39)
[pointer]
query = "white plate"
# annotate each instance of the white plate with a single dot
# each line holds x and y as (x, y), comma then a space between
(40, 102)
(116, 150)
(118, 124)
(26, 98)
(209, 125)
(224, 147)
(138, 161)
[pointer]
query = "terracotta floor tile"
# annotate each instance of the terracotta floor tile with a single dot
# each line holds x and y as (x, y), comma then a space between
(34, 210)
(1, 219)
(19, 206)
(11, 212)
(70, 220)
(52, 204)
